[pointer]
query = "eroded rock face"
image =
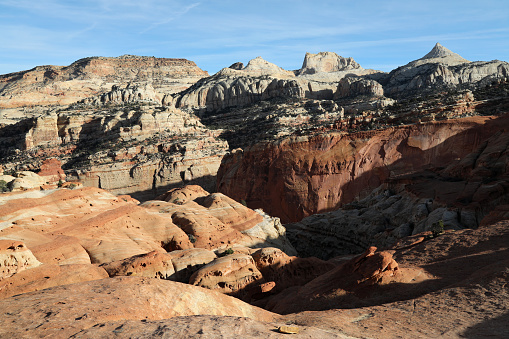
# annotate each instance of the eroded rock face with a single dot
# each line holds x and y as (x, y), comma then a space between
(49, 275)
(233, 274)
(107, 227)
(145, 150)
(441, 68)
(215, 221)
(62, 85)
(15, 257)
(362, 277)
(285, 271)
(326, 62)
(300, 176)
(351, 87)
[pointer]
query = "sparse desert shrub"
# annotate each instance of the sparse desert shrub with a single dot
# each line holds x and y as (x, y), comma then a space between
(3, 186)
(192, 238)
(437, 228)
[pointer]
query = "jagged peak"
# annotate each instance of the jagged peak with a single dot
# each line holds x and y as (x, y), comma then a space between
(440, 51)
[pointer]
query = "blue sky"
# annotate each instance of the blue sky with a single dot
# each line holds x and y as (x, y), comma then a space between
(377, 34)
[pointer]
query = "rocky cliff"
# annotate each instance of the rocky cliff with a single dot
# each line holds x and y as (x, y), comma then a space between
(300, 176)
(262, 80)
(141, 150)
(62, 85)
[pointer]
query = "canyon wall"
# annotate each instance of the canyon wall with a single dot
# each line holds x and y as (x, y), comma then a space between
(300, 176)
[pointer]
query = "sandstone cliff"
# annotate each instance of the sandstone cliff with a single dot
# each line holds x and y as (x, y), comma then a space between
(126, 149)
(301, 176)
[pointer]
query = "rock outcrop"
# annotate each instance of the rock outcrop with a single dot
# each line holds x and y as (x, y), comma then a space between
(441, 68)
(142, 150)
(361, 277)
(351, 87)
(15, 257)
(326, 62)
(215, 221)
(63, 85)
(262, 80)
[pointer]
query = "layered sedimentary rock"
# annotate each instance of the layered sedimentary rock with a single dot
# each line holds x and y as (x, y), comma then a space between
(117, 299)
(441, 68)
(304, 175)
(61, 85)
(215, 221)
(143, 150)
(262, 80)
(351, 87)
(326, 62)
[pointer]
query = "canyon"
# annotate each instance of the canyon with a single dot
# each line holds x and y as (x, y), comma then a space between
(140, 196)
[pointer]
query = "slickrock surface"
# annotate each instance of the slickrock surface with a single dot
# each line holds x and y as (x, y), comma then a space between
(61, 85)
(65, 310)
(233, 274)
(177, 265)
(216, 221)
(201, 326)
(286, 271)
(371, 277)
(48, 275)
(108, 228)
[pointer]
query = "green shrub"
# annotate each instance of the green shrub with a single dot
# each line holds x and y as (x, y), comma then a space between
(437, 228)
(3, 186)
(192, 238)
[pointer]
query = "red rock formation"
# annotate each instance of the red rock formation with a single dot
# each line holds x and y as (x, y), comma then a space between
(300, 176)
(52, 170)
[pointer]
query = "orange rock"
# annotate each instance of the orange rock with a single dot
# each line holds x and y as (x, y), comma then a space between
(49, 275)
(65, 310)
(232, 274)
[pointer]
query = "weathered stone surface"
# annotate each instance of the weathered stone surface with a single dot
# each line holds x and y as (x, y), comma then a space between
(14, 258)
(176, 265)
(326, 62)
(216, 221)
(233, 274)
(442, 68)
(361, 277)
(108, 228)
(127, 94)
(351, 87)
(66, 310)
(286, 271)
(49, 275)
(58, 85)
(204, 325)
